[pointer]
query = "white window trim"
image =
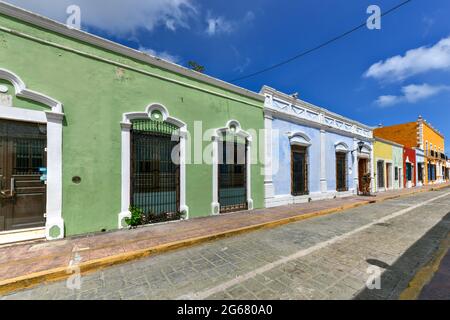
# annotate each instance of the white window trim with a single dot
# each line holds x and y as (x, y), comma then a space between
(126, 157)
(53, 119)
(341, 147)
(215, 205)
(303, 140)
(299, 139)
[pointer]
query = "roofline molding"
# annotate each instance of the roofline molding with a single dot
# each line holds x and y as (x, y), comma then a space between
(281, 95)
(54, 26)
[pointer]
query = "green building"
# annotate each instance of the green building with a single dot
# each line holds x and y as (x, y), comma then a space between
(90, 128)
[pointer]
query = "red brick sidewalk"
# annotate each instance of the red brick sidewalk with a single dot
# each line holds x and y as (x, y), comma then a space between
(36, 260)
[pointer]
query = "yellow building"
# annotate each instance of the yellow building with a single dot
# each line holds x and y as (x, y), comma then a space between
(434, 147)
(388, 165)
(420, 135)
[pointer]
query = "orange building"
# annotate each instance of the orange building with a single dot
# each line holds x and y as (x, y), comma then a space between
(420, 135)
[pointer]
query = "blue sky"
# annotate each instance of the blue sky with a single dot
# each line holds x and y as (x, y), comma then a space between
(233, 38)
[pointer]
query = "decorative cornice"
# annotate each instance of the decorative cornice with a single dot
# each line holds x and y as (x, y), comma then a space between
(51, 25)
(21, 91)
(287, 99)
(433, 129)
(285, 107)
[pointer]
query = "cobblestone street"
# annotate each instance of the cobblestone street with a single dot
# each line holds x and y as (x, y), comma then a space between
(321, 258)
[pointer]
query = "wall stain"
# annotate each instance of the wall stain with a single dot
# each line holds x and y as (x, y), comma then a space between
(3, 41)
(121, 75)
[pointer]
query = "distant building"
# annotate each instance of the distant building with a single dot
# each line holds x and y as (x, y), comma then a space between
(424, 136)
(388, 165)
(312, 153)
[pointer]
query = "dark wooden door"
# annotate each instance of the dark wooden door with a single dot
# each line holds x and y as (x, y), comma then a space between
(23, 194)
(341, 172)
(362, 170)
(380, 174)
(299, 171)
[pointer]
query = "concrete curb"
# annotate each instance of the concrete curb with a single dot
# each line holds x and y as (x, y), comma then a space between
(57, 274)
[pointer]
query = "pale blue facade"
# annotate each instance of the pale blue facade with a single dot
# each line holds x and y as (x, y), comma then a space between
(420, 163)
(292, 123)
(281, 141)
(332, 140)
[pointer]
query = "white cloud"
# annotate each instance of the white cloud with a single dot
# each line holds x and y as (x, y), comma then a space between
(414, 62)
(218, 26)
(387, 101)
(119, 16)
(411, 94)
(162, 54)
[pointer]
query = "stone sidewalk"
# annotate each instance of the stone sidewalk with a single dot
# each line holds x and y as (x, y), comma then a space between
(27, 264)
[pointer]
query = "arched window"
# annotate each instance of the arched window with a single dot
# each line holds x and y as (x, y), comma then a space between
(231, 169)
(300, 143)
(153, 165)
(341, 149)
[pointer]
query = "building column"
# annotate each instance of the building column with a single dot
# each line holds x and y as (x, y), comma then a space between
(372, 170)
(355, 165)
(215, 206)
(126, 175)
(323, 163)
(269, 191)
(249, 174)
(54, 226)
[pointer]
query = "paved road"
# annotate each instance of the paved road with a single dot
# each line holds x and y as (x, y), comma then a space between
(330, 257)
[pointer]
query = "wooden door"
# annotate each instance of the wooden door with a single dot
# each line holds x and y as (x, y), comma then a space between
(341, 171)
(388, 175)
(23, 194)
(299, 171)
(362, 170)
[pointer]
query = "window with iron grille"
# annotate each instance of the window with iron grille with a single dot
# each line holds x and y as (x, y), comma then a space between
(341, 172)
(232, 174)
(396, 173)
(155, 179)
(299, 170)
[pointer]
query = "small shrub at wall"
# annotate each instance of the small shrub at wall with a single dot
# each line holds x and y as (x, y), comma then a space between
(137, 218)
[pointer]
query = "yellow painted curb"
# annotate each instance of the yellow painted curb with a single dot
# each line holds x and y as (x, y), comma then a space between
(56, 274)
(425, 274)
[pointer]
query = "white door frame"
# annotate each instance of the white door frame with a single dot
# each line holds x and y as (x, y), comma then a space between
(232, 126)
(153, 111)
(54, 226)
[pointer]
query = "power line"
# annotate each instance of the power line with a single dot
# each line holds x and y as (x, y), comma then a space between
(304, 53)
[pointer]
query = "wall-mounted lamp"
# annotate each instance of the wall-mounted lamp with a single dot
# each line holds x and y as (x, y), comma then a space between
(360, 147)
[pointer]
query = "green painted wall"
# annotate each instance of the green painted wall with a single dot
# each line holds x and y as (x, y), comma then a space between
(95, 94)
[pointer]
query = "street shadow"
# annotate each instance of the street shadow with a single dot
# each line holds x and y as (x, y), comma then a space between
(395, 278)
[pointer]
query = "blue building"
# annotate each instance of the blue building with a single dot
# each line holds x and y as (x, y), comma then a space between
(312, 153)
(420, 172)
